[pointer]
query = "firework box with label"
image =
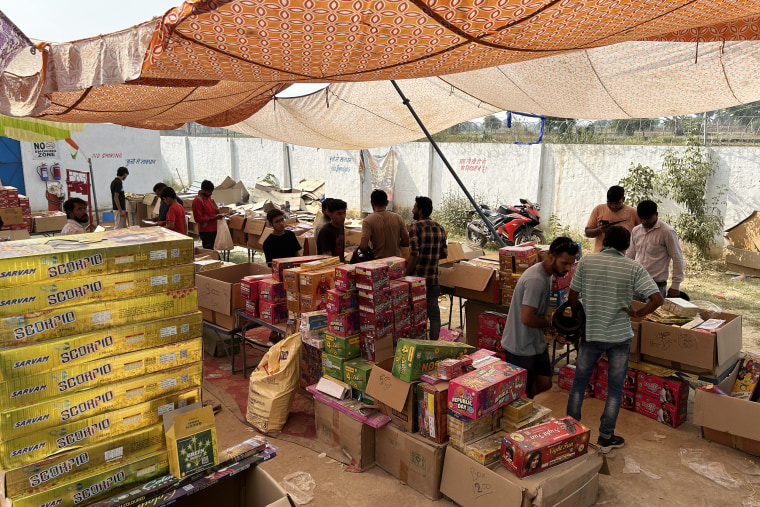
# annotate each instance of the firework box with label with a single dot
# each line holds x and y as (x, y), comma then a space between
(332, 366)
(670, 390)
(17, 362)
(191, 439)
(652, 407)
(280, 265)
(394, 396)
(486, 389)
(48, 324)
(417, 287)
(747, 378)
(34, 297)
(563, 282)
(371, 320)
(249, 286)
(414, 460)
(311, 302)
(271, 290)
(293, 301)
(431, 410)
(273, 313)
(490, 330)
(540, 415)
(631, 376)
(402, 318)
(538, 448)
(345, 277)
(462, 429)
(396, 266)
(65, 408)
(377, 349)
(252, 308)
(311, 364)
(523, 263)
(346, 347)
(338, 301)
(71, 465)
(36, 388)
(486, 450)
(371, 275)
(567, 375)
(518, 410)
(415, 357)
(346, 324)
(680, 307)
(321, 264)
(35, 446)
(399, 293)
(557, 298)
(356, 373)
(317, 282)
(219, 290)
(629, 399)
(379, 300)
(96, 485)
(291, 279)
(53, 259)
(450, 368)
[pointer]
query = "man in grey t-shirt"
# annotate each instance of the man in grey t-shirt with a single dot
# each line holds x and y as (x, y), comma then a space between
(523, 339)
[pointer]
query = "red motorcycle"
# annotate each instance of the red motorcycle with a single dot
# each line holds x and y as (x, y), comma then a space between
(515, 224)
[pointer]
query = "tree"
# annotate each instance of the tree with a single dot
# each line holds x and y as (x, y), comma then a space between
(629, 126)
(492, 123)
(640, 184)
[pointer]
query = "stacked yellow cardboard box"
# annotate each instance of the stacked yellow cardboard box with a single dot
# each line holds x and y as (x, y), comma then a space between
(100, 335)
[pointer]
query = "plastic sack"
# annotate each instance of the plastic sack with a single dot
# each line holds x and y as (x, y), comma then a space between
(223, 236)
(713, 470)
(300, 486)
(273, 384)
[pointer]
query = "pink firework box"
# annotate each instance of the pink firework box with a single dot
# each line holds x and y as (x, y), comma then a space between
(252, 308)
(652, 407)
(396, 266)
(525, 250)
(402, 318)
(564, 281)
(344, 277)
(345, 324)
(567, 377)
(370, 320)
(419, 331)
(399, 293)
(487, 389)
(249, 286)
(280, 265)
(273, 313)
(271, 290)
(629, 399)
(371, 275)
(479, 356)
(419, 312)
(631, 376)
(446, 335)
(538, 448)
(376, 334)
(337, 301)
(669, 390)
(379, 299)
(450, 368)
(489, 342)
(417, 285)
(492, 323)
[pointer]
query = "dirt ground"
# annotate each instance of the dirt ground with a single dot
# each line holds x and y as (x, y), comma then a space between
(664, 480)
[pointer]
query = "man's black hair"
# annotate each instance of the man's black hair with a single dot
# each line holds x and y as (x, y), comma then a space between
(326, 203)
(159, 187)
(618, 238)
(563, 244)
(69, 205)
(207, 185)
(425, 205)
(168, 192)
(646, 209)
(378, 197)
(615, 193)
(336, 205)
(121, 171)
(274, 213)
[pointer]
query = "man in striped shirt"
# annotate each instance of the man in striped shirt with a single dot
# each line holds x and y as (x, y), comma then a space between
(606, 282)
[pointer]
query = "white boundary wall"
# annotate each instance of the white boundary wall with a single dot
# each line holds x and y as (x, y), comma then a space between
(567, 180)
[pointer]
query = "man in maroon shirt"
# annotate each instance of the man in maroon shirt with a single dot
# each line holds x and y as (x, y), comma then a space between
(205, 214)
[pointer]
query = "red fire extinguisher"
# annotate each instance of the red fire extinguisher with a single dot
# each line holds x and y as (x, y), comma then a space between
(42, 172)
(56, 170)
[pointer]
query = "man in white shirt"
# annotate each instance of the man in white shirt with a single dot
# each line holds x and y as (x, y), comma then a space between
(654, 244)
(76, 212)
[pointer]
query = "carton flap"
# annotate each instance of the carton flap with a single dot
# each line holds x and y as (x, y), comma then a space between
(729, 339)
(169, 416)
(255, 225)
(465, 276)
(386, 388)
(723, 413)
(469, 483)
(12, 216)
(456, 253)
(227, 183)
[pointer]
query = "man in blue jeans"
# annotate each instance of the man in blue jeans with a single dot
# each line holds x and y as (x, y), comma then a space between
(606, 282)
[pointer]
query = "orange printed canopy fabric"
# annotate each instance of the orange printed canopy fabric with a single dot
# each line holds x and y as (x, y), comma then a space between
(221, 63)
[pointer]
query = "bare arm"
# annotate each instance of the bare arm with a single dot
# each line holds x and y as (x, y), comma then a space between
(655, 301)
(529, 318)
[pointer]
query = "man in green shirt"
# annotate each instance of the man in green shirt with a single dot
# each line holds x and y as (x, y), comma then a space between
(606, 282)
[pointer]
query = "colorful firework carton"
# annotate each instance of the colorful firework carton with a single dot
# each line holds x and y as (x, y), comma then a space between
(379, 300)
(431, 411)
(291, 279)
(356, 373)
(371, 320)
(417, 287)
(346, 324)
(486, 450)
(273, 313)
(332, 366)
(747, 378)
(652, 407)
(399, 293)
(280, 265)
(345, 277)
(339, 302)
(371, 276)
(317, 282)
(415, 357)
(99, 253)
(191, 440)
(486, 389)
(346, 347)
(272, 291)
(670, 390)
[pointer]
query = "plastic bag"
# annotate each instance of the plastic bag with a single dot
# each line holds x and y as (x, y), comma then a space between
(223, 236)
(707, 309)
(300, 486)
(697, 461)
(273, 384)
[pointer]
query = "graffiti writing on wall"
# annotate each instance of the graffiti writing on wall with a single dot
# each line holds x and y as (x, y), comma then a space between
(473, 164)
(340, 164)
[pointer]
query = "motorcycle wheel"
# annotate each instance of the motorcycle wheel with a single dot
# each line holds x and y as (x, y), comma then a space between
(536, 236)
(474, 239)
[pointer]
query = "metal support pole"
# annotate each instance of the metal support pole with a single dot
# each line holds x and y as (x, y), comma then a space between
(488, 224)
(94, 196)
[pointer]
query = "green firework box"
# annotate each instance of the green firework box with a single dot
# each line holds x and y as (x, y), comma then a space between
(99, 253)
(191, 440)
(415, 357)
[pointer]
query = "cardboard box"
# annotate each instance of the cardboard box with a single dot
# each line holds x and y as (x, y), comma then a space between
(486, 450)
(346, 324)
(317, 281)
(462, 429)
(486, 389)
(338, 302)
(706, 354)
(668, 390)
(470, 484)
(743, 261)
(356, 373)
(191, 439)
(518, 410)
(377, 349)
(729, 421)
(345, 433)
(219, 290)
(472, 310)
(44, 222)
(332, 366)
(540, 415)
(432, 412)
(394, 396)
(412, 459)
(346, 347)
(652, 407)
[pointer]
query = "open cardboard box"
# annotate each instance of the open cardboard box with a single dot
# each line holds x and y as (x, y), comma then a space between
(726, 420)
(345, 433)
(471, 282)
(706, 354)
(394, 396)
(470, 484)
(219, 289)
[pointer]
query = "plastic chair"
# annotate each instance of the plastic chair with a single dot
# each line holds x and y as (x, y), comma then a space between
(108, 216)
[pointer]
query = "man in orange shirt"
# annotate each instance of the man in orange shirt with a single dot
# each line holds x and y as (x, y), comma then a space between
(615, 212)
(205, 214)
(175, 215)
